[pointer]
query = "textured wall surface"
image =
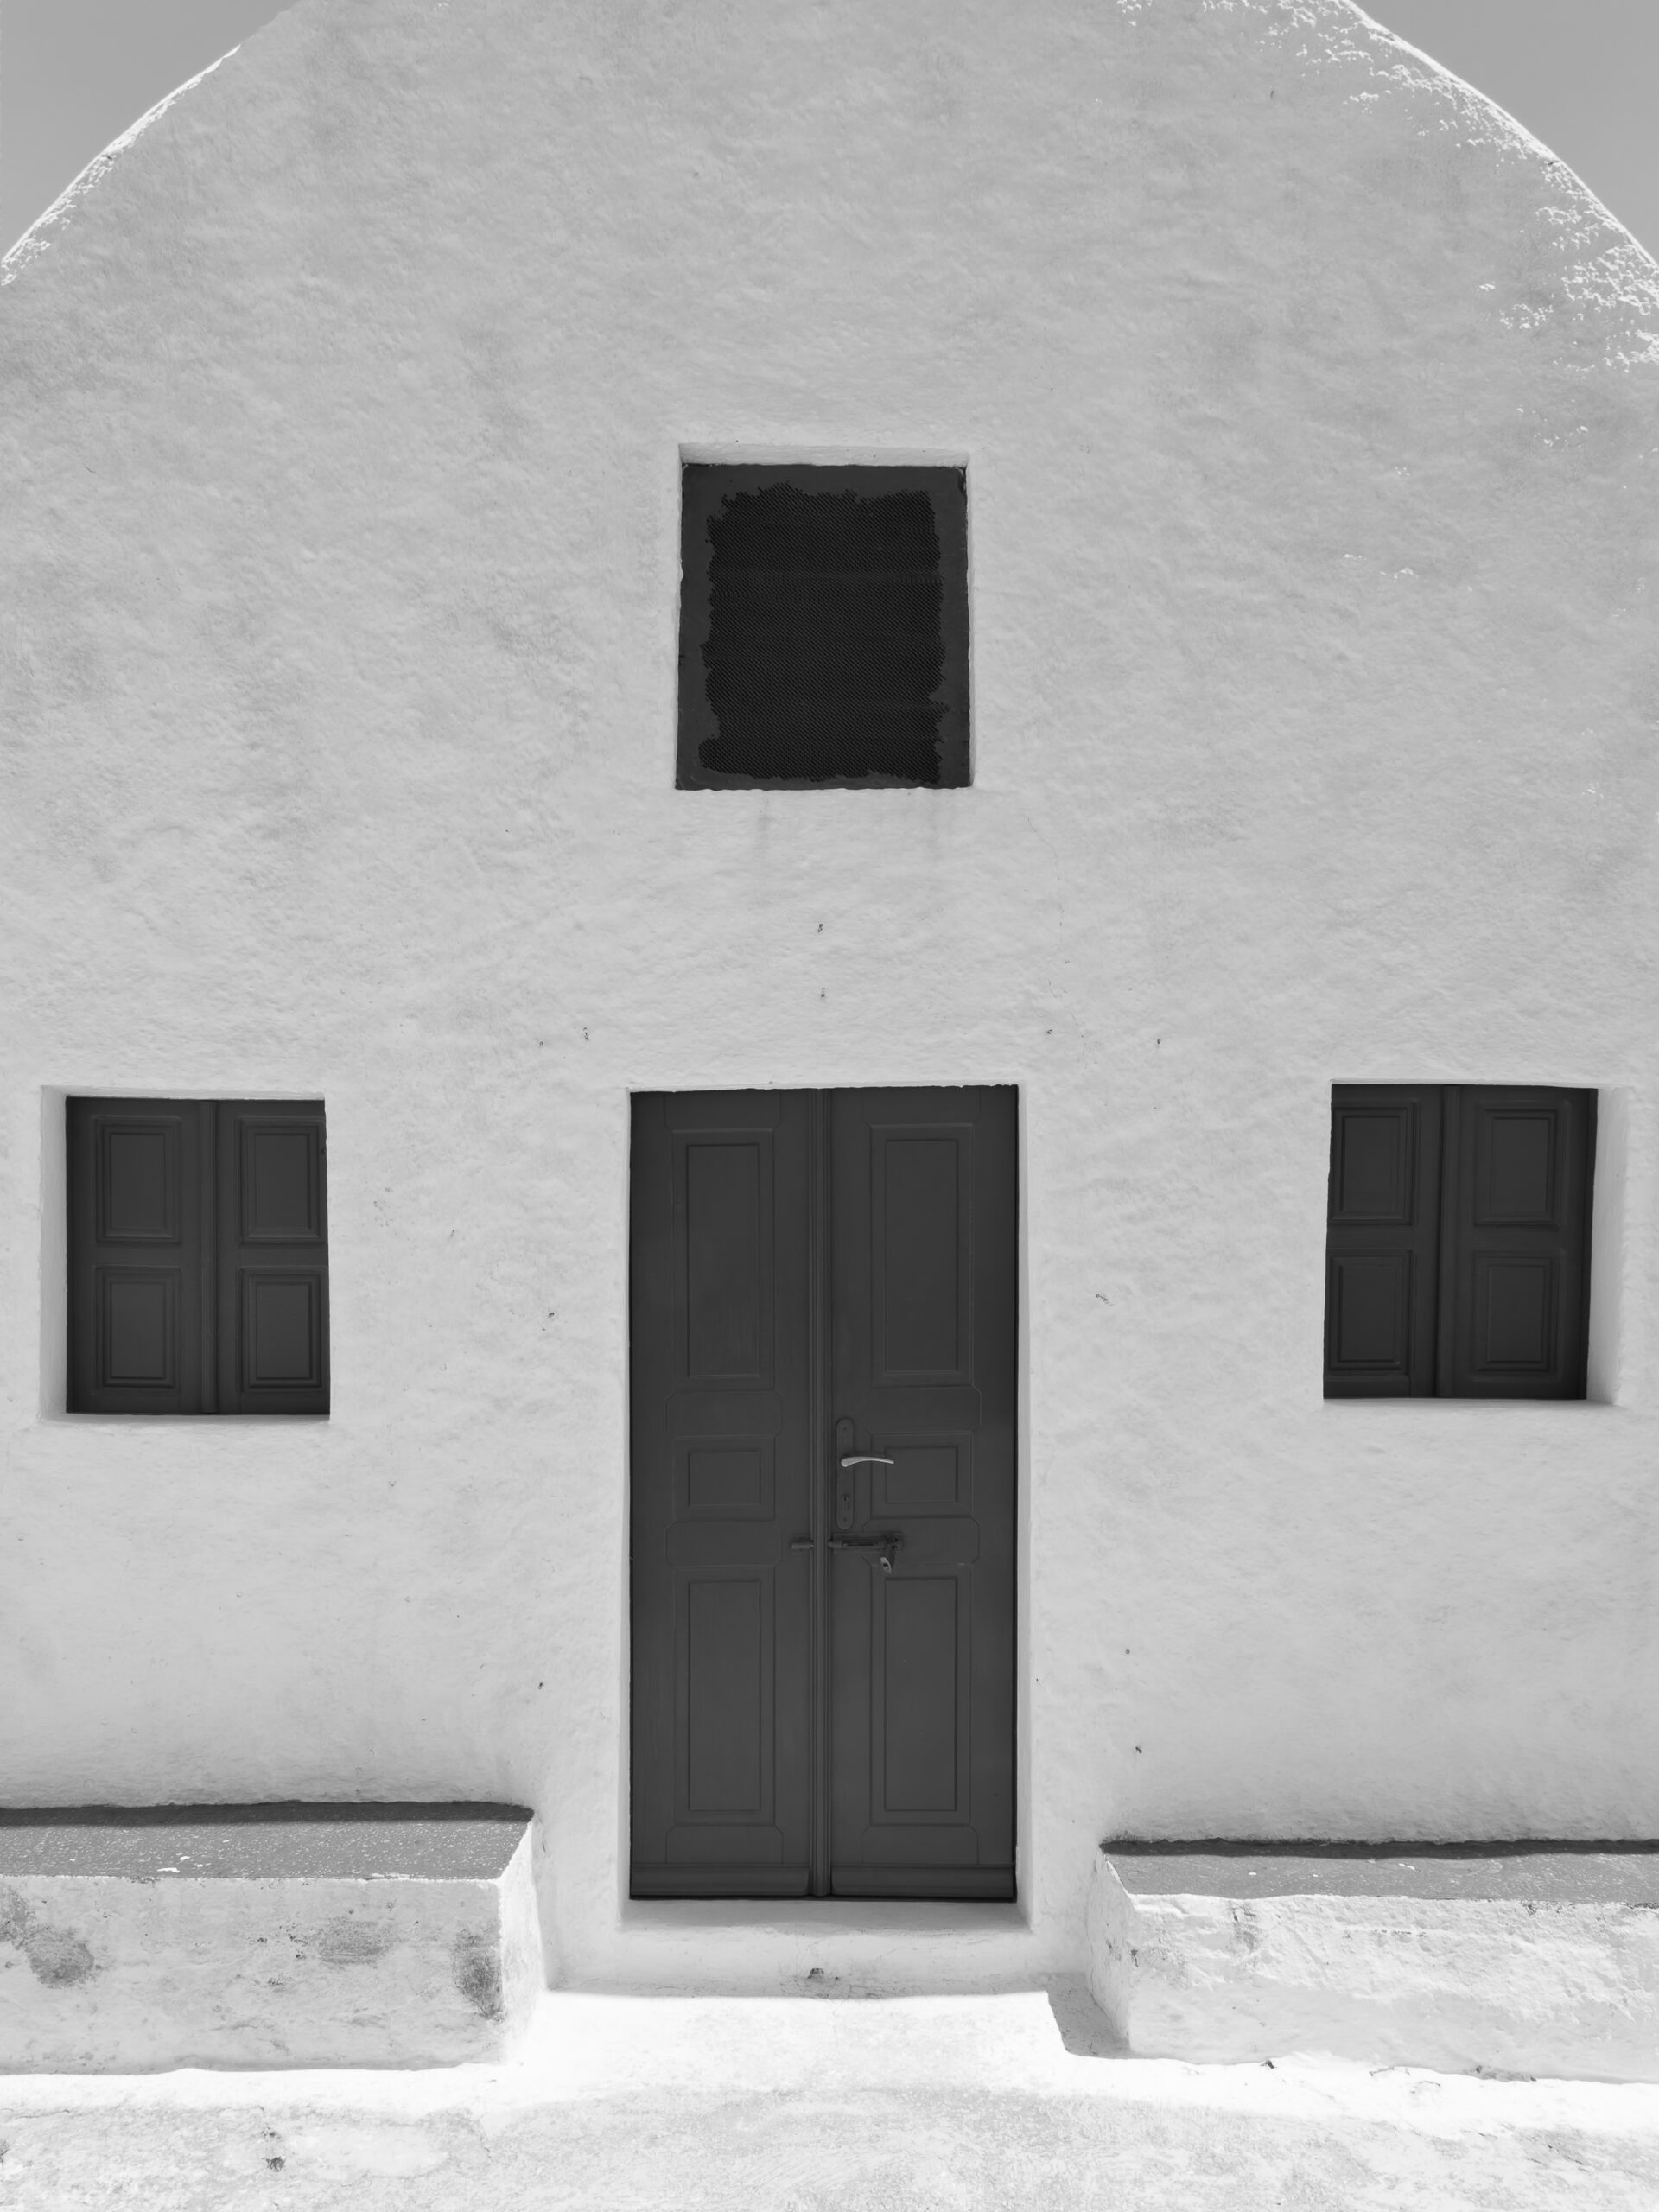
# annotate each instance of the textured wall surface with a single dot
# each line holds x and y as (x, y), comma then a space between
(1543, 1985)
(111, 1974)
(1310, 414)
(266, 1942)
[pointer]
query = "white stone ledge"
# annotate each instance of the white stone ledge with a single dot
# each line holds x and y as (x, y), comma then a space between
(265, 1936)
(1513, 1960)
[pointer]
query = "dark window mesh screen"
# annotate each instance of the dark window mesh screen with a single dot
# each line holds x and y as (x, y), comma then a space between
(825, 658)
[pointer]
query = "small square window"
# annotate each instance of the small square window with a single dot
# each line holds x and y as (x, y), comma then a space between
(823, 627)
(1458, 1244)
(198, 1256)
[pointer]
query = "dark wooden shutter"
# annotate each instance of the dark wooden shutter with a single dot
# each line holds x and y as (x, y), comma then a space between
(1383, 1241)
(1515, 1242)
(136, 1181)
(198, 1256)
(272, 1254)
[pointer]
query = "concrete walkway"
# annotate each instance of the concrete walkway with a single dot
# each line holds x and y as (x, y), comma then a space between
(907, 2104)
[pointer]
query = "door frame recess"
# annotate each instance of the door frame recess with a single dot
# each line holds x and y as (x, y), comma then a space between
(943, 1920)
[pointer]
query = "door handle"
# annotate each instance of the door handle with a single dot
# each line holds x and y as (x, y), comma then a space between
(846, 1460)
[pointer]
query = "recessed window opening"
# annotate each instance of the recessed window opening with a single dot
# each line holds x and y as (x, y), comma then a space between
(198, 1256)
(1457, 1246)
(823, 627)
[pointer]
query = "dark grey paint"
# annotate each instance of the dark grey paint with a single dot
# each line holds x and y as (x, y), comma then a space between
(444, 1842)
(1542, 1874)
(815, 1276)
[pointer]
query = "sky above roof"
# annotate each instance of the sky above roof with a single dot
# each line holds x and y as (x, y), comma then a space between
(1578, 73)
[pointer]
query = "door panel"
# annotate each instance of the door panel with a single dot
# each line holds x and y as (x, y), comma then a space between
(918, 1698)
(723, 1739)
(807, 1718)
(920, 1281)
(922, 1220)
(727, 1189)
(724, 1683)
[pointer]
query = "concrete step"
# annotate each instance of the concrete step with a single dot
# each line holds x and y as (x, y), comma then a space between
(294, 1935)
(1528, 1959)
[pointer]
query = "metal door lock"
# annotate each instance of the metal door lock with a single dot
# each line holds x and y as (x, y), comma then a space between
(886, 1545)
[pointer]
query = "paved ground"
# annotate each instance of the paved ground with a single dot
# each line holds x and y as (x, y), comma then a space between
(905, 2104)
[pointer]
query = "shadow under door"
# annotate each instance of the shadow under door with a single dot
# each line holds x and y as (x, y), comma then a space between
(823, 1314)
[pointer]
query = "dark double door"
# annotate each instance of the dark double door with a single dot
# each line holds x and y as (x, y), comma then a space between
(824, 1660)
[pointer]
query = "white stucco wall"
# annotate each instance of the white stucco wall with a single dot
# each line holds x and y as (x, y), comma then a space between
(1311, 415)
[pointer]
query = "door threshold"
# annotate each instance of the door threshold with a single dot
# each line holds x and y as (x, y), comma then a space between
(821, 1947)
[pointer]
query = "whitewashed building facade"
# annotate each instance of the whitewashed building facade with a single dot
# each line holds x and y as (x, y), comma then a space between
(1307, 419)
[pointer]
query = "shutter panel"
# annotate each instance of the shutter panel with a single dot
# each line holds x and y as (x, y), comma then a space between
(272, 1245)
(1515, 1242)
(136, 1168)
(1382, 1240)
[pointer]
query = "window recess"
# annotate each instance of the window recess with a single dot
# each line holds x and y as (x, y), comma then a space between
(823, 627)
(198, 1256)
(1457, 1247)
